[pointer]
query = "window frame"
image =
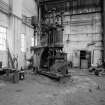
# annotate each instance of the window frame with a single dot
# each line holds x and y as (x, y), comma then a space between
(3, 38)
(32, 41)
(23, 42)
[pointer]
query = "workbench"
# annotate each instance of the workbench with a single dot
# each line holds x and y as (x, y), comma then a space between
(11, 74)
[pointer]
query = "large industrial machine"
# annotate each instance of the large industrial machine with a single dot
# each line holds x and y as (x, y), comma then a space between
(48, 57)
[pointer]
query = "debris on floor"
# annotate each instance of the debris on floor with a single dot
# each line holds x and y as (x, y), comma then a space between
(40, 90)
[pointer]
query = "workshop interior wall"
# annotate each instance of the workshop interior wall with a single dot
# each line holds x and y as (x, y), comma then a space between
(15, 27)
(84, 34)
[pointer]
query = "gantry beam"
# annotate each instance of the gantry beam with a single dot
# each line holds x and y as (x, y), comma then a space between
(68, 5)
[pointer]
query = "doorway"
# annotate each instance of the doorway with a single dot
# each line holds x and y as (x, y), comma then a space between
(85, 59)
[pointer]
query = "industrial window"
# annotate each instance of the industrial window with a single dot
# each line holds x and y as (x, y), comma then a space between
(32, 41)
(3, 32)
(23, 49)
(36, 42)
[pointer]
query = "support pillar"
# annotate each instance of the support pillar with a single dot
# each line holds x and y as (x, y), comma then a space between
(103, 28)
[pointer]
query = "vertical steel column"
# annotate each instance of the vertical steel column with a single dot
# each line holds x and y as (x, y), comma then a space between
(103, 27)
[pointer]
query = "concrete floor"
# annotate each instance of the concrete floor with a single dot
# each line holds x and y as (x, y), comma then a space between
(81, 89)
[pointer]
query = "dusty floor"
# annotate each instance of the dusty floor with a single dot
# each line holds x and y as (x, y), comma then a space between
(81, 89)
